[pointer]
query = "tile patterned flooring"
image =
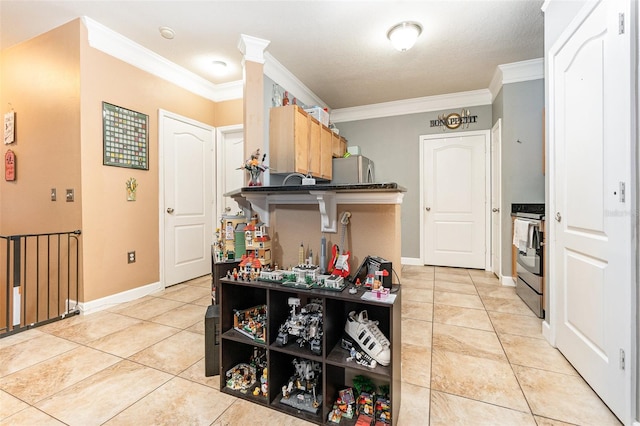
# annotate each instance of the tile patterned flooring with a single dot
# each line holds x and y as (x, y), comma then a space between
(472, 354)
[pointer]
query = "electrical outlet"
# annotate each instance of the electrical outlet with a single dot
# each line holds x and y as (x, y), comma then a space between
(131, 257)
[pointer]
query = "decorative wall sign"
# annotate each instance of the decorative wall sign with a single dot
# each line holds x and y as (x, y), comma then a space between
(9, 127)
(9, 166)
(125, 137)
(454, 120)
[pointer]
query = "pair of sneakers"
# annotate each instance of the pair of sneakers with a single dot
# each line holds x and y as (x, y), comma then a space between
(367, 334)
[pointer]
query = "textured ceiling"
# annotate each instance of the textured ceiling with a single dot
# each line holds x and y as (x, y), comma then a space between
(338, 49)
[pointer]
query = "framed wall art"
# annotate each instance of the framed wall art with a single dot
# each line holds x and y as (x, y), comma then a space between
(125, 137)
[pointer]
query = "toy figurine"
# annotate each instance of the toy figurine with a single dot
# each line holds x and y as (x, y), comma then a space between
(264, 387)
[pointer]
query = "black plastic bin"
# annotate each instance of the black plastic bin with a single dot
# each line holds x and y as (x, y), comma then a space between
(212, 341)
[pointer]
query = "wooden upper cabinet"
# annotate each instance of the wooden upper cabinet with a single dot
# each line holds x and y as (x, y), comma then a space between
(288, 139)
(326, 153)
(314, 147)
(338, 145)
(300, 143)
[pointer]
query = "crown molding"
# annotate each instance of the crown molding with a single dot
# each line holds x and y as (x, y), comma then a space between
(412, 106)
(120, 47)
(252, 48)
(283, 77)
(516, 72)
(229, 91)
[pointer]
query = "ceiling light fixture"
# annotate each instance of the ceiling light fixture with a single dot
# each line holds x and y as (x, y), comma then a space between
(219, 67)
(167, 32)
(404, 35)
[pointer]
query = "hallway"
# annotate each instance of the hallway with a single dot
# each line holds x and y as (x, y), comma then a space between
(472, 353)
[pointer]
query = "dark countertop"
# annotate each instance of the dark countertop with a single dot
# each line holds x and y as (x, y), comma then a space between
(342, 187)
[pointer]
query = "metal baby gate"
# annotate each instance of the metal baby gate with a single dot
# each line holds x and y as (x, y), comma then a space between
(39, 279)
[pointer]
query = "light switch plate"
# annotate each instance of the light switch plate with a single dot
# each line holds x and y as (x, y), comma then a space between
(54, 194)
(69, 195)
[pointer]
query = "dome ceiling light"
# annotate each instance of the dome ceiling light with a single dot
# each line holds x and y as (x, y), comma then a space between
(404, 35)
(167, 32)
(219, 67)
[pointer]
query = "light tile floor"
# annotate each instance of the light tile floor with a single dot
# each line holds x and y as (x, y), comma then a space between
(472, 354)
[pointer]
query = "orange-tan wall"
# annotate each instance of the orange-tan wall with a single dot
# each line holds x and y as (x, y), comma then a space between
(227, 113)
(56, 83)
(41, 82)
(112, 225)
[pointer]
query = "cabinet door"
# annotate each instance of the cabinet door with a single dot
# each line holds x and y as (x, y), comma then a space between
(338, 146)
(314, 147)
(335, 145)
(326, 150)
(301, 141)
(282, 122)
(343, 146)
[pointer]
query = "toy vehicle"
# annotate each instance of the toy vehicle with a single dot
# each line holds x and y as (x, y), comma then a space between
(305, 324)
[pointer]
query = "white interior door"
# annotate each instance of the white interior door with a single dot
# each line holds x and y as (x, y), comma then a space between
(496, 198)
(455, 197)
(592, 258)
(187, 203)
(230, 158)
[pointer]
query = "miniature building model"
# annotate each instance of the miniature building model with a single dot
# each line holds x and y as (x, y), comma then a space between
(258, 242)
(250, 265)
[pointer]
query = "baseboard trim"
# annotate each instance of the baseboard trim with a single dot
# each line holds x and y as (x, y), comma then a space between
(411, 261)
(122, 297)
(508, 281)
(546, 333)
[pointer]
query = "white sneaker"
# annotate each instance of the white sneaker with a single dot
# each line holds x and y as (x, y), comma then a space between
(367, 334)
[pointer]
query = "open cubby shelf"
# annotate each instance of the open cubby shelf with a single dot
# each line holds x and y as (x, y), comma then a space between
(336, 372)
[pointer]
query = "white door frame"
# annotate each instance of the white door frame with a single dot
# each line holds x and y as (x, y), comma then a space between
(162, 115)
(221, 133)
(496, 182)
(487, 191)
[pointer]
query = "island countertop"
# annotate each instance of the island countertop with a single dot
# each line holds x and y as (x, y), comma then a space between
(337, 188)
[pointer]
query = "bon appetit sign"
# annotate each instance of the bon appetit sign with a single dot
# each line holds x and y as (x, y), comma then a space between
(454, 120)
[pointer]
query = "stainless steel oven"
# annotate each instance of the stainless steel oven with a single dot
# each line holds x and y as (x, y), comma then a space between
(530, 265)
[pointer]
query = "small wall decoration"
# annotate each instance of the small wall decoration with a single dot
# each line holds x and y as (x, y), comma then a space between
(454, 120)
(9, 127)
(9, 166)
(125, 137)
(132, 185)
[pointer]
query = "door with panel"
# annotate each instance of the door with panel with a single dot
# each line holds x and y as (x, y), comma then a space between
(187, 210)
(455, 198)
(592, 255)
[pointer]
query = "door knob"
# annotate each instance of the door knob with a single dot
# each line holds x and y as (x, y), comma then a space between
(558, 217)
(169, 210)
(428, 209)
(495, 210)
